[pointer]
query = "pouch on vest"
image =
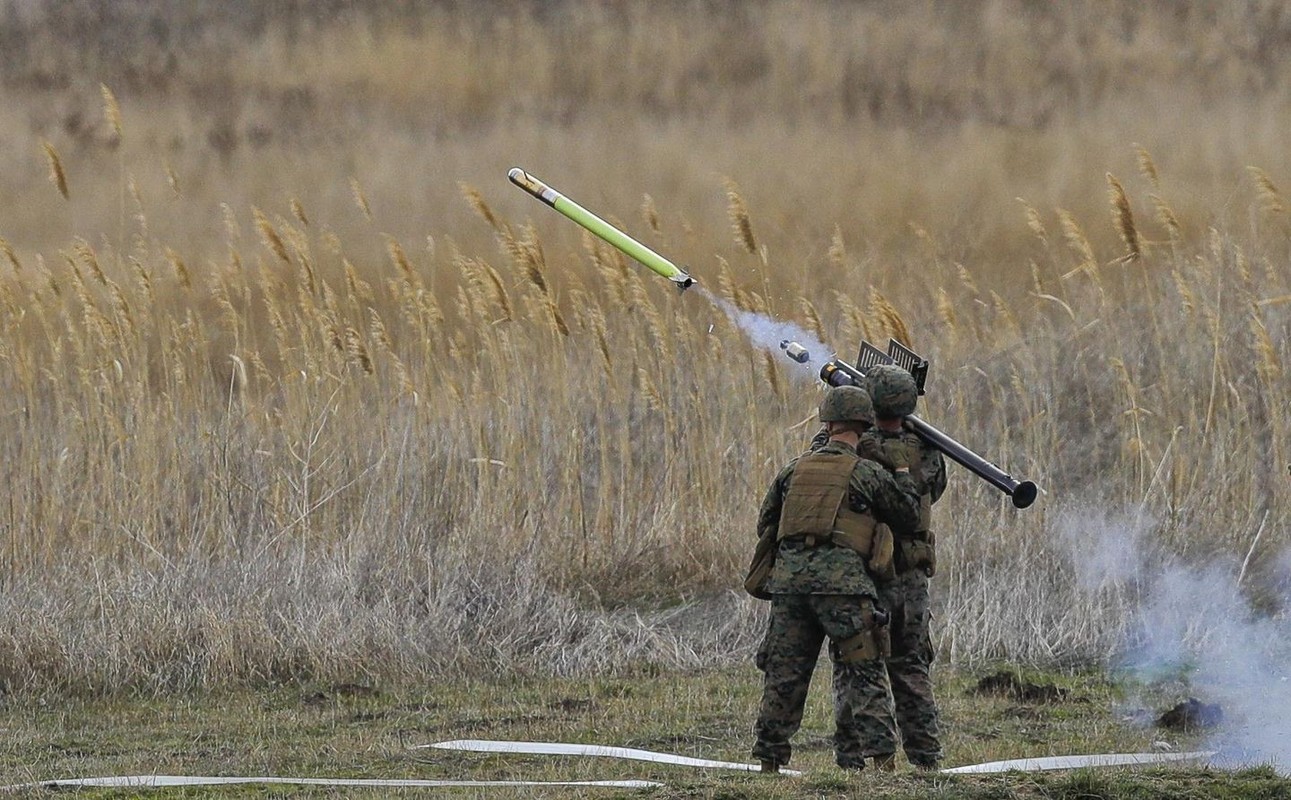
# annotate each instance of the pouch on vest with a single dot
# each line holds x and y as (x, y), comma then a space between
(755, 582)
(881, 562)
(872, 643)
(921, 553)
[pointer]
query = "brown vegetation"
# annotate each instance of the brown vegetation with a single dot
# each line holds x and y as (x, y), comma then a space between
(276, 401)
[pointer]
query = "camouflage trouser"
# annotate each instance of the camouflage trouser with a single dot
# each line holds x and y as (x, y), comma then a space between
(906, 599)
(863, 719)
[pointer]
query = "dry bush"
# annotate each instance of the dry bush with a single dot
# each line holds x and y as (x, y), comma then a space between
(247, 457)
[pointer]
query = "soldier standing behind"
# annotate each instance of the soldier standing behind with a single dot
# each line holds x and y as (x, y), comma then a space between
(894, 395)
(823, 511)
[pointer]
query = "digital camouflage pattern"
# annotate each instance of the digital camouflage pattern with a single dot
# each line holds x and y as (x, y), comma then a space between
(864, 724)
(909, 667)
(928, 468)
(829, 568)
(906, 599)
(824, 592)
(892, 389)
(847, 404)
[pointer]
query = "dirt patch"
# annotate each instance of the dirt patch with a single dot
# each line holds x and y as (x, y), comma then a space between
(573, 705)
(337, 691)
(1191, 715)
(1010, 684)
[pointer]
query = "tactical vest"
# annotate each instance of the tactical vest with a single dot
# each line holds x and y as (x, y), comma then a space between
(816, 506)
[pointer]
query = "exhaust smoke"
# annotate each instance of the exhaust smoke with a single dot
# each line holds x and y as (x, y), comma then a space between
(768, 334)
(1196, 623)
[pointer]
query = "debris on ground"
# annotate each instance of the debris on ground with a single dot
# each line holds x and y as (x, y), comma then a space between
(1191, 715)
(1009, 684)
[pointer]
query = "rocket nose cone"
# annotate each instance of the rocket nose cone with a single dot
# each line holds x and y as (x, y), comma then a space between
(516, 175)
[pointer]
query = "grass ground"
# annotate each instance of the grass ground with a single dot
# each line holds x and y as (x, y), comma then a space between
(361, 732)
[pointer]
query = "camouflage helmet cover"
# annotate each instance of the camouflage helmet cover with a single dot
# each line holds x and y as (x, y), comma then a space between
(892, 389)
(847, 404)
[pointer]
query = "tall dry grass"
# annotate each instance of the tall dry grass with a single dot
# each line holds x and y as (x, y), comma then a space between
(300, 403)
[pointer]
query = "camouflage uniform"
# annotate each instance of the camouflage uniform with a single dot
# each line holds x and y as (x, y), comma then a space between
(894, 394)
(823, 589)
(907, 600)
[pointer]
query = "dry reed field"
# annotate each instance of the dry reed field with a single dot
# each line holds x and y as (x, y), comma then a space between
(294, 385)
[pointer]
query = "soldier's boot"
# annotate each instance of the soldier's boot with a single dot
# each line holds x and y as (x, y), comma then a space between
(886, 762)
(926, 763)
(770, 766)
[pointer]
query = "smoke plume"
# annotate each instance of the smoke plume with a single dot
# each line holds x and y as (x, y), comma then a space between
(1194, 622)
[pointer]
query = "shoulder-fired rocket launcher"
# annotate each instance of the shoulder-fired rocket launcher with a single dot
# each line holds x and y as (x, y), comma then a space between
(837, 372)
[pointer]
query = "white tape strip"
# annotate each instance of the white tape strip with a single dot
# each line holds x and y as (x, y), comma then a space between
(563, 749)
(1079, 762)
(140, 781)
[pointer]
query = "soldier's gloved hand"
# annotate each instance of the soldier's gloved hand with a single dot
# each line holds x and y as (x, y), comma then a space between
(901, 452)
(871, 447)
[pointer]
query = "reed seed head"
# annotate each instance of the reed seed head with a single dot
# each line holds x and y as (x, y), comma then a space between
(57, 175)
(1147, 166)
(1270, 197)
(10, 255)
(739, 214)
(360, 199)
(269, 235)
(1122, 217)
(111, 113)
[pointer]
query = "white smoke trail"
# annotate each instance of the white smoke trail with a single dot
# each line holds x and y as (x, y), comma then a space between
(767, 333)
(1193, 622)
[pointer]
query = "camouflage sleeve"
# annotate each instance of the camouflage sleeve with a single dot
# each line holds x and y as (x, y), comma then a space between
(871, 447)
(893, 497)
(931, 474)
(818, 441)
(769, 513)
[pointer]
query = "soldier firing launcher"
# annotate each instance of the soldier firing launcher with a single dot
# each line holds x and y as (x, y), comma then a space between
(837, 372)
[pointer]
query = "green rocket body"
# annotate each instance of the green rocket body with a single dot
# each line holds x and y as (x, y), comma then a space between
(607, 232)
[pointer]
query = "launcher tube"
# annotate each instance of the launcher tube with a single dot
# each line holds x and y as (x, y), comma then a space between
(839, 373)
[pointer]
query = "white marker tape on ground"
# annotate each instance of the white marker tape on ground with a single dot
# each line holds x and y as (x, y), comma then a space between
(141, 781)
(1079, 762)
(562, 749)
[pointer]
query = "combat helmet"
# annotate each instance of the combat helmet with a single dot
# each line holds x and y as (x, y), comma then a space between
(893, 390)
(847, 404)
